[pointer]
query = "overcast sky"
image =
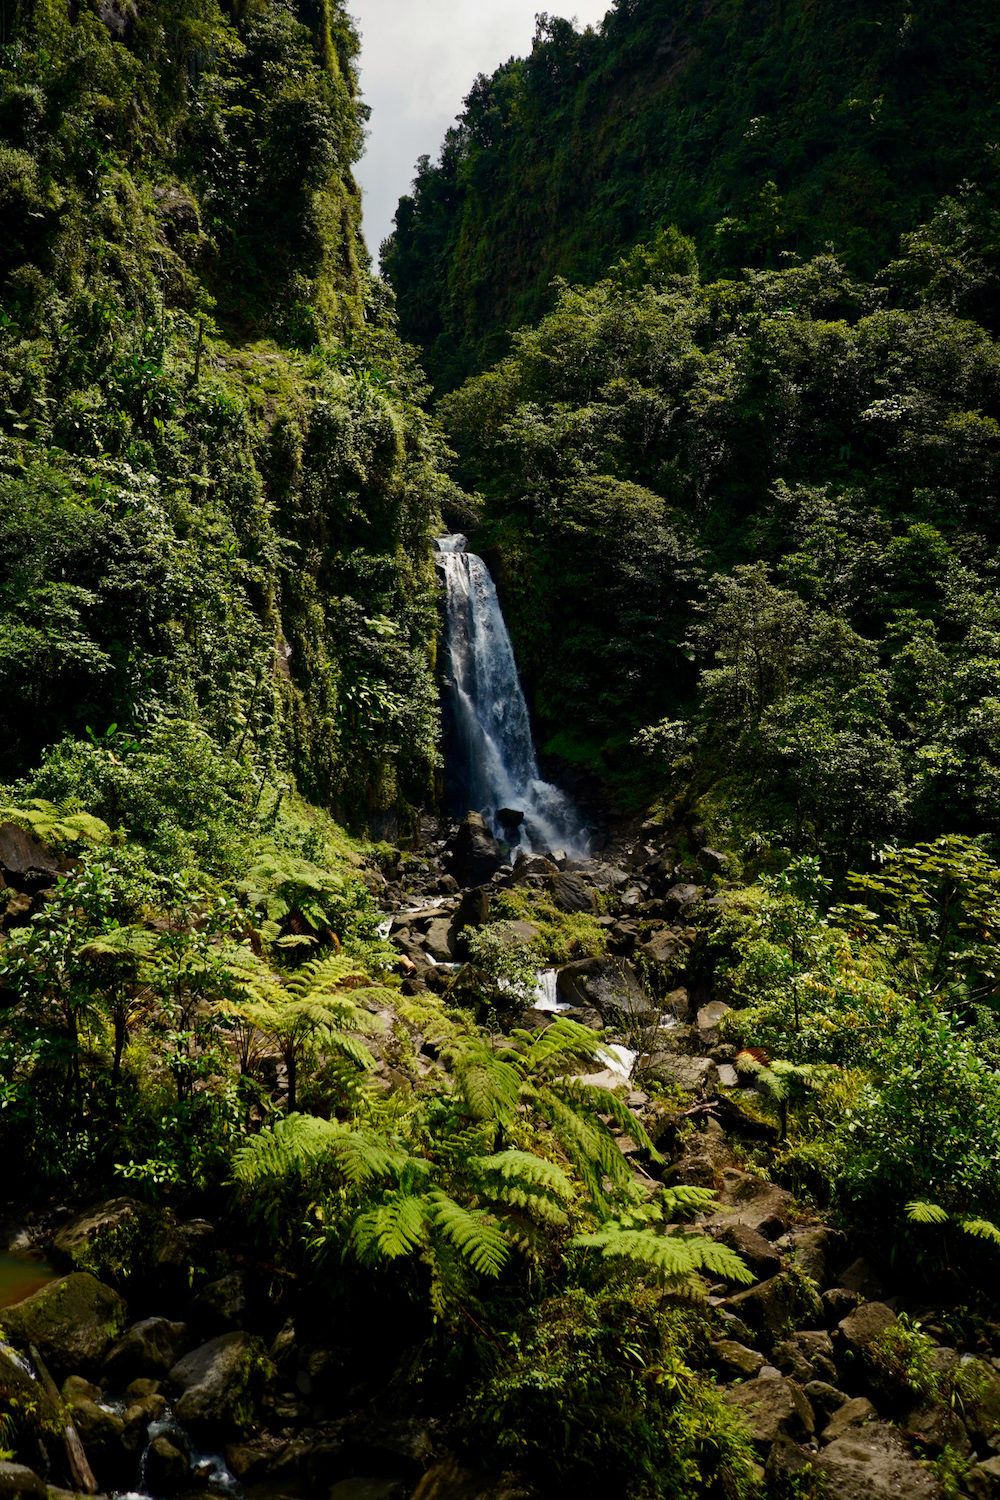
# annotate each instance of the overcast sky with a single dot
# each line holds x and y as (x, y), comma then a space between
(419, 58)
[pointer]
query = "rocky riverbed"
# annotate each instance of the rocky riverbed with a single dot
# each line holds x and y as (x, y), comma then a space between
(162, 1358)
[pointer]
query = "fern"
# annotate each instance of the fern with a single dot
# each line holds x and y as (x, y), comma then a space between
(395, 1227)
(922, 1212)
(672, 1258)
(981, 1229)
(926, 1213)
(57, 824)
(480, 1241)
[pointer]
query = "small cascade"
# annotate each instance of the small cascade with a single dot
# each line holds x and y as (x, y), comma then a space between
(546, 993)
(493, 761)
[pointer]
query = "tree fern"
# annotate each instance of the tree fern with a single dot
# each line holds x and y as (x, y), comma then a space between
(672, 1258)
(921, 1212)
(395, 1227)
(479, 1240)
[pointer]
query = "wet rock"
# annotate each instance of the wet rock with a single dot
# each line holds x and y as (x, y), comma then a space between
(680, 897)
(851, 1414)
(100, 1431)
(473, 909)
(772, 1408)
(447, 886)
(475, 854)
(837, 1303)
(874, 1463)
(775, 1307)
(864, 1324)
(607, 985)
(71, 1322)
(168, 1468)
(17, 1481)
(220, 1382)
(759, 1254)
(806, 1356)
(734, 1361)
(440, 941)
(812, 1250)
(148, 1348)
(527, 866)
(572, 893)
(980, 1400)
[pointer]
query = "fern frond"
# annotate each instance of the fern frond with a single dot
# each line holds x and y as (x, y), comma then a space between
(521, 1168)
(481, 1242)
(919, 1212)
(298, 1144)
(611, 1102)
(488, 1084)
(564, 1041)
(325, 974)
(982, 1229)
(691, 1199)
(395, 1227)
(670, 1257)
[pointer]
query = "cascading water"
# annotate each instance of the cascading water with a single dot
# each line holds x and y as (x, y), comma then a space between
(493, 760)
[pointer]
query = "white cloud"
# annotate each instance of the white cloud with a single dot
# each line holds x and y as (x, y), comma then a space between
(419, 59)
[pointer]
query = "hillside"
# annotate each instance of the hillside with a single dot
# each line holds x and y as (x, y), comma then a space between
(758, 127)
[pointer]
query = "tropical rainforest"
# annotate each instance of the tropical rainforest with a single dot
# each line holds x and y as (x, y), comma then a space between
(309, 1183)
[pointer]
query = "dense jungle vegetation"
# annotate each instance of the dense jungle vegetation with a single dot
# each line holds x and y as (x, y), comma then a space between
(758, 127)
(726, 282)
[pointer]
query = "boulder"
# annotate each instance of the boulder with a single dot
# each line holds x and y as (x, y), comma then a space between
(735, 1361)
(110, 1240)
(440, 941)
(746, 1199)
(167, 1467)
(694, 1075)
(369, 1489)
(980, 1400)
(709, 1018)
(533, 864)
(864, 1324)
(510, 817)
(220, 1381)
(19, 1391)
(22, 854)
(759, 1254)
(837, 1303)
(680, 897)
(660, 947)
(874, 1463)
(805, 1357)
(16, 1480)
(72, 1322)
(775, 1307)
(936, 1427)
(184, 1257)
(824, 1399)
(607, 985)
(812, 1250)
(861, 1278)
(786, 1462)
(473, 909)
(712, 862)
(982, 1481)
(100, 1431)
(475, 852)
(772, 1408)
(449, 1480)
(851, 1414)
(572, 893)
(148, 1348)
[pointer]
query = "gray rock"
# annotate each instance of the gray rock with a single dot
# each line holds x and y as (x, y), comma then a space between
(696, 1075)
(735, 1361)
(148, 1348)
(746, 1199)
(221, 1305)
(661, 947)
(533, 864)
(874, 1463)
(108, 1239)
(785, 1462)
(712, 862)
(607, 985)
(572, 892)
(16, 1480)
(448, 1480)
(864, 1324)
(776, 1307)
(982, 1481)
(861, 1278)
(473, 909)
(825, 1399)
(806, 1356)
(759, 1254)
(22, 854)
(937, 1427)
(851, 1414)
(838, 1302)
(680, 897)
(771, 1409)
(72, 1322)
(220, 1381)
(727, 1076)
(440, 942)
(812, 1249)
(168, 1468)
(709, 1019)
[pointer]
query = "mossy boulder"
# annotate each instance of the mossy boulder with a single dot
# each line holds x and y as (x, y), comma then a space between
(71, 1322)
(220, 1383)
(24, 1397)
(778, 1306)
(110, 1240)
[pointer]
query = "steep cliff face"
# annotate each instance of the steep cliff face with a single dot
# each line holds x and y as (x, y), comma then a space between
(216, 482)
(756, 126)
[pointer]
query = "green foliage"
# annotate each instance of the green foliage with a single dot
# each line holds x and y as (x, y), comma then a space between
(763, 134)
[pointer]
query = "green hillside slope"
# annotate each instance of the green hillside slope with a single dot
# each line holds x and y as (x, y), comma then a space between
(756, 126)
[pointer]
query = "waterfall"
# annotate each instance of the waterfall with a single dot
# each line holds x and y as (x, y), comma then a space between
(493, 760)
